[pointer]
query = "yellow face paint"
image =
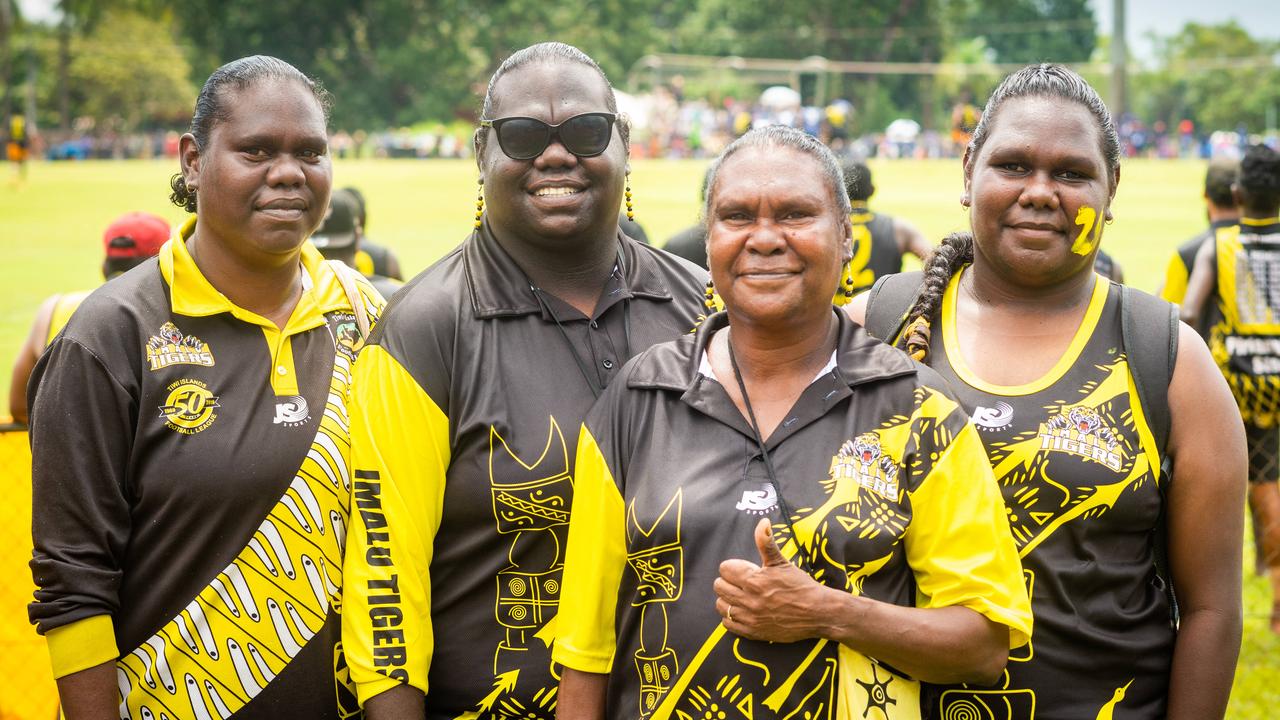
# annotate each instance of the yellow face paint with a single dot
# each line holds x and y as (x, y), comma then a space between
(1090, 224)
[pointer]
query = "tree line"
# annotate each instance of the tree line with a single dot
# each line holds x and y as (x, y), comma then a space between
(136, 64)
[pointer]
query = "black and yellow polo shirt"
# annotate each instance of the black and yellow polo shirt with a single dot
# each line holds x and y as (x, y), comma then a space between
(890, 495)
(875, 248)
(1077, 465)
(1244, 318)
(192, 490)
(467, 404)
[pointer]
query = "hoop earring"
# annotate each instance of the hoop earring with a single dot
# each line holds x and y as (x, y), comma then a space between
(631, 211)
(712, 299)
(844, 293)
(479, 202)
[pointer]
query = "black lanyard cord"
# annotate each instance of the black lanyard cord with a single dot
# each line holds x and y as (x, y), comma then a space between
(596, 389)
(577, 359)
(764, 452)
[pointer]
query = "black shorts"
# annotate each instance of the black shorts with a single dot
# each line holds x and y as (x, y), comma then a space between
(1264, 453)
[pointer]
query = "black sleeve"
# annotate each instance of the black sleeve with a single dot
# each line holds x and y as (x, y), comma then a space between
(82, 427)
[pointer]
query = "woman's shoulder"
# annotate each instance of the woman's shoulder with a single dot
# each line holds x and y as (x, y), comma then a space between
(667, 365)
(680, 274)
(432, 296)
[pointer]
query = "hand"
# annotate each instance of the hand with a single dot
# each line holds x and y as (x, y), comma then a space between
(773, 601)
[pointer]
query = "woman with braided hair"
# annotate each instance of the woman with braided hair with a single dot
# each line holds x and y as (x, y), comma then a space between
(1034, 344)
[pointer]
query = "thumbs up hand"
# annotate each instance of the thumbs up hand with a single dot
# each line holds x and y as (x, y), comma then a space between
(775, 600)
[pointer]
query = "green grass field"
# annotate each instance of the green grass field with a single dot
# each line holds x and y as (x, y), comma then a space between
(50, 227)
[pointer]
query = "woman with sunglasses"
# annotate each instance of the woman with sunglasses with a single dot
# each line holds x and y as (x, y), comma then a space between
(470, 399)
(781, 432)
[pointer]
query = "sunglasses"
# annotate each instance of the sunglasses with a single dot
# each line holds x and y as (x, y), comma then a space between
(525, 138)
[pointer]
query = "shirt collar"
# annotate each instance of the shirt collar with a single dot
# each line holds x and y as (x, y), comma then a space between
(1259, 222)
(499, 288)
(192, 294)
(858, 358)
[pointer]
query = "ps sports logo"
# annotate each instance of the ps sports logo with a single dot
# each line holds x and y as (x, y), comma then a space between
(189, 407)
(758, 502)
(993, 418)
(292, 412)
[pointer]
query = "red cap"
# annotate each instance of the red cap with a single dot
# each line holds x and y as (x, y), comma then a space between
(135, 235)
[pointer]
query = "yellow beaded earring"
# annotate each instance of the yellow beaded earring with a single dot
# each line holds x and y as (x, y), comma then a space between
(631, 211)
(844, 293)
(479, 202)
(712, 299)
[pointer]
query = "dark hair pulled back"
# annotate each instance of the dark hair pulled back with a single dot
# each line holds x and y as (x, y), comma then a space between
(1054, 82)
(213, 107)
(779, 137)
(547, 53)
(1043, 80)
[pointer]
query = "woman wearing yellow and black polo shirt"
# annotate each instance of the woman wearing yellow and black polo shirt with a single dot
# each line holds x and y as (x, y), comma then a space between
(189, 437)
(1048, 359)
(889, 561)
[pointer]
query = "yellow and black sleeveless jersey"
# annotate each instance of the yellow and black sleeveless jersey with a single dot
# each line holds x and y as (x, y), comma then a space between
(1244, 319)
(467, 403)
(890, 497)
(1183, 260)
(875, 249)
(191, 492)
(1077, 465)
(63, 308)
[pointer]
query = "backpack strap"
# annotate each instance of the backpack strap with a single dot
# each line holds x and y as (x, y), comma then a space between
(346, 278)
(1149, 329)
(888, 302)
(1149, 326)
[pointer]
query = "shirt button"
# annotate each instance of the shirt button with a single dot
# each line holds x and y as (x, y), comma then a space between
(594, 325)
(281, 371)
(608, 364)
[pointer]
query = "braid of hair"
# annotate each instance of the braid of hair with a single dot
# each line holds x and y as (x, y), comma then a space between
(955, 251)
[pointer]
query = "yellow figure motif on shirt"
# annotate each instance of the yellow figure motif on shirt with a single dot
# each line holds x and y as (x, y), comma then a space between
(1016, 704)
(861, 513)
(1087, 429)
(658, 566)
(531, 503)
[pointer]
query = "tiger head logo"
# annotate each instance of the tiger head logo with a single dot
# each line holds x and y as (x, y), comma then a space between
(170, 332)
(1086, 421)
(866, 448)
